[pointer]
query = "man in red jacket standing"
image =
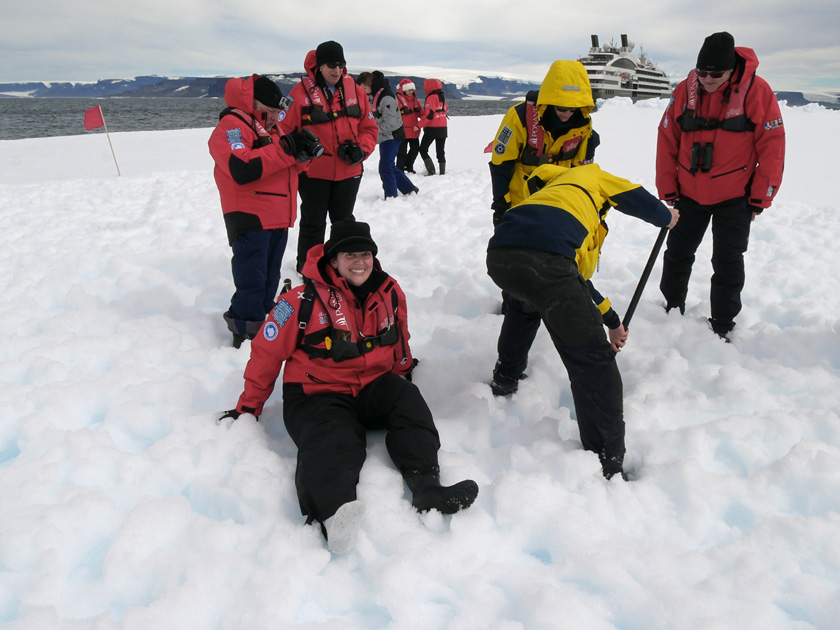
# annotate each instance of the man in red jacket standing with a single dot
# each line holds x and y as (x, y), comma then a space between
(328, 101)
(720, 157)
(256, 173)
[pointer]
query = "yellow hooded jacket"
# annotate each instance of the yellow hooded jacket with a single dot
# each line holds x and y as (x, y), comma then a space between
(566, 84)
(565, 215)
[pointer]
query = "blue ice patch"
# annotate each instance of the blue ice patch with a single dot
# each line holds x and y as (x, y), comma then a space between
(282, 312)
(270, 331)
(234, 136)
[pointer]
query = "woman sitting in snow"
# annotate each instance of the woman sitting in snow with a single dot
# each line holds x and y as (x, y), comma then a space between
(344, 339)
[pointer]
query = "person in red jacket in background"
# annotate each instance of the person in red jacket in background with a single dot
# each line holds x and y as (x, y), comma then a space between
(343, 337)
(411, 111)
(720, 157)
(256, 173)
(434, 125)
(328, 101)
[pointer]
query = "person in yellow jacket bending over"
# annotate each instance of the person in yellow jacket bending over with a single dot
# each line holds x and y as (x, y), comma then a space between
(543, 253)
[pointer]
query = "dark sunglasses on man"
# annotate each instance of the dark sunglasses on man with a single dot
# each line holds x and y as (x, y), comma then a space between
(564, 110)
(332, 65)
(718, 74)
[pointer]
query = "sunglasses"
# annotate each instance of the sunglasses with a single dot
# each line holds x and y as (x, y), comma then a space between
(332, 65)
(564, 110)
(715, 75)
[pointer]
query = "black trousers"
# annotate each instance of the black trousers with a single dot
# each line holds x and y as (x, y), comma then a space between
(409, 148)
(438, 136)
(551, 286)
(731, 223)
(329, 431)
(318, 199)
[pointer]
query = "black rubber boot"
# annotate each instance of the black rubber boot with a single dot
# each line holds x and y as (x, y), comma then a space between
(430, 166)
(428, 494)
(442, 167)
(612, 466)
(505, 380)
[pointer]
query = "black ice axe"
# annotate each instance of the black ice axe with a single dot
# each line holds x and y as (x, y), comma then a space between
(645, 275)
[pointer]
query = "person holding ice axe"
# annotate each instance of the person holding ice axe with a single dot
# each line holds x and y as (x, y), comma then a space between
(543, 252)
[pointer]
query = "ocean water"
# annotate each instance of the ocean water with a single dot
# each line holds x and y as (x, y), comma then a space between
(45, 117)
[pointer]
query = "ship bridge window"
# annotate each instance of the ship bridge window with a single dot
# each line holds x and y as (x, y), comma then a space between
(624, 63)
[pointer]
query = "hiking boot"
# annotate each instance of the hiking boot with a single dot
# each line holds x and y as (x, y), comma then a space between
(340, 528)
(238, 339)
(442, 167)
(505, 381)
(430, 166)
(722, 327)
(612, 466)
(670, 306)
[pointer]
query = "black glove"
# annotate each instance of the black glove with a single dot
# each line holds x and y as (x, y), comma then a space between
(303, 145)
(350, 152)
(399, 134)
(499, 207)
(755, 209)
(233, 415)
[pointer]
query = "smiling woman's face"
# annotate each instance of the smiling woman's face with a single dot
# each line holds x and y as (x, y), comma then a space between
(355, 267)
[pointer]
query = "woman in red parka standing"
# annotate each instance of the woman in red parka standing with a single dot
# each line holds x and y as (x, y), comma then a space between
(411, 111)
(328, 102)
(434, 126)
(344, 339)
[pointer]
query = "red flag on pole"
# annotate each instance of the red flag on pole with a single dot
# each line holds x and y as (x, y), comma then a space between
(93, 118)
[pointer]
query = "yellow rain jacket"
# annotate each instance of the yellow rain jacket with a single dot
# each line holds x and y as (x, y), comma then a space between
(531, 134)
(566, 215)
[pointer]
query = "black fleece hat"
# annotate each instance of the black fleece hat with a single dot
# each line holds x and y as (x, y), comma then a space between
(329, 51)
(267, 92)
(717, 53)
(349, 235)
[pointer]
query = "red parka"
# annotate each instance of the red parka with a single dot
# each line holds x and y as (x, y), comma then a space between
(435, 107)
(333, 119)
(411, 111)
(743, 163)
(333, 310)
(256, 178)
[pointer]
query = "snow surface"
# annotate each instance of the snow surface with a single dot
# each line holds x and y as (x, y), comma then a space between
(124, 505)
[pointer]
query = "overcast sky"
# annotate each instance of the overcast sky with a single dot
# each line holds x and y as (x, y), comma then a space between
(53, 40)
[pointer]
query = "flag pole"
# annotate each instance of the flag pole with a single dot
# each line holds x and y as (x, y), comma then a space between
(104, 124)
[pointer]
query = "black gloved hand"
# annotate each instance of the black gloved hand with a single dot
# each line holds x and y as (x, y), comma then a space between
(350, 152)
(755, 209)
(303, 145)
(231, 414)
(499, 207)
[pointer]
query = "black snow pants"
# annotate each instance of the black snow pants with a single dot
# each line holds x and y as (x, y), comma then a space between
(329, 431)
(731, 223)
(550, 285)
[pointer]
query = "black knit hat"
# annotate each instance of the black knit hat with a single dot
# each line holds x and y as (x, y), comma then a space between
(267, 92)
(717, 53)
(329, 51)
(349, 235)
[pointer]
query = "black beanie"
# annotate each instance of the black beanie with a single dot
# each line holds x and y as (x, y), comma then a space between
(267, 92)
(717, 53)
(349, 235)
(329, 51)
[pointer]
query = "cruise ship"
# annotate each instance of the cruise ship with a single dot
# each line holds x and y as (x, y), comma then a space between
(616, 71)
